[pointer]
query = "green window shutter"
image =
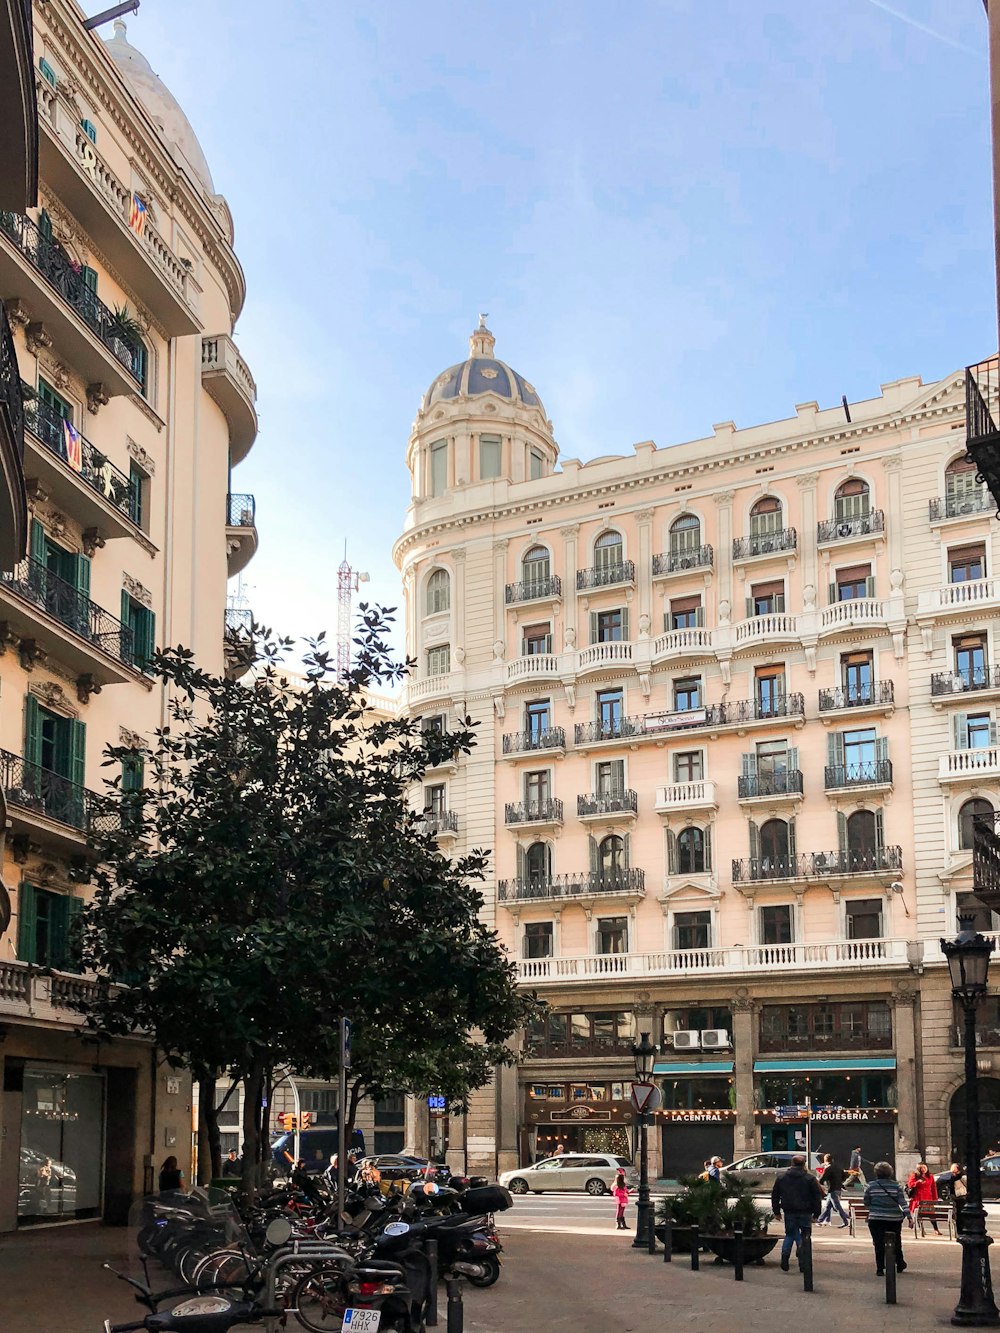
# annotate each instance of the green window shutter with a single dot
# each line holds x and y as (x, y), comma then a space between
(89, 129)
(792, 758)
(89, 277)
(593, 627)
(618, 775)
(882, 749)
(32, 730)
(880, 829)
(594, 855)
(754, 841)
(27, 919)
(961, 731)
(842, 832)
(135, 480)
(129, 649)
(835, 749)
(870, 586)
(39, 545)
(791, 841)
(83, 575)
(626, 850)
(707, 835)
(44, 221)
(58, 931)
(139, 362)
(77, 752)
(146, 637)
(749, 763)
(625, 634)
(133, 772)
(749, 607)
(74, 906)
(521, 862)
(834, 593)
(671, 852)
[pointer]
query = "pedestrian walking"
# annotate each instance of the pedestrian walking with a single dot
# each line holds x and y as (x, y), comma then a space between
(620, 1193)
(170, 1175)
(854, 1173)
(922, 1188)
(886, 1204)
(796, 1196)
(715, 1168)
(833, 1183)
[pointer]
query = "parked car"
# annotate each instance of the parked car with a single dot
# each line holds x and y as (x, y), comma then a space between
(989, 1176)
(317, 1147)
(762, 1169)
(405, 1166)
(593, 1172)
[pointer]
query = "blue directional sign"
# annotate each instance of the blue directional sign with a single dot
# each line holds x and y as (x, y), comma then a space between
(436, 1103)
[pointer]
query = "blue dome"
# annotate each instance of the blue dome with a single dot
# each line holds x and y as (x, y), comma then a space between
(482, 373)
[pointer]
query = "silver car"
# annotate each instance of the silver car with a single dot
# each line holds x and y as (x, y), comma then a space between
(593, 1172)
(761, 1170)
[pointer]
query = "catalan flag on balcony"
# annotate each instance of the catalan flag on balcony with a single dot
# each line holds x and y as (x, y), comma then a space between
(137, 217)
(74, 451)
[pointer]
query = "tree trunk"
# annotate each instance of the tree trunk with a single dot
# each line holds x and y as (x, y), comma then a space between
(253, 1090)
(209, 1139)
(353, 1112)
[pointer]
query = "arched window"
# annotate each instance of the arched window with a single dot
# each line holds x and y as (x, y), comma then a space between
(774, 845)
(536, 863)
(974, 809)
(691, 857)
(608, 551)
(685, 534)
(535, 568)
(611, 857)
(438, 592)
(851, 500)
(862, 840)
(765, 516)
(962, 492)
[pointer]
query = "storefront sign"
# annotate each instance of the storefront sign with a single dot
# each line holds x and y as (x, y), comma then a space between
(840, 1114)
(580, 1113)
(689, 717)
(699, 1117)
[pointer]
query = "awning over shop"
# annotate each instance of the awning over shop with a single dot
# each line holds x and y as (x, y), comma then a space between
(817, 1065)
(694, 1067)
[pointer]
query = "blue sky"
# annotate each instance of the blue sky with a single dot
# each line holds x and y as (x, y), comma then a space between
(676, 213)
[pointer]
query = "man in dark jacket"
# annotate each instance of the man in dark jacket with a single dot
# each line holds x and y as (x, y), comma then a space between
(797, 1194)
(833, 1183)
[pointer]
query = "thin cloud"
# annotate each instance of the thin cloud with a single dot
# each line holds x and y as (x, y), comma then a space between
(922, 27)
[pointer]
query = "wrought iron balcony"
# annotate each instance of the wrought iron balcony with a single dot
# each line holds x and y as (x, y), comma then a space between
(956, 682)
(238, 620)
(100, 474)
(869, 861)
(877, 773)
(859, 525)
(607, 803)
(531, 590)
(593, 885)
(764, 543)
(756, 869)
(547, 811)
(757, 710)
(857, 696)
(982, 436)
(241, 511)
(525, 742)
(13, 498)
(440, 823)
(786, 783)
(670, 562)
(605, 576)
(35, 584)
(960, 504)
(986, 860)
(37, 790)
(586, 733)
(54, 266)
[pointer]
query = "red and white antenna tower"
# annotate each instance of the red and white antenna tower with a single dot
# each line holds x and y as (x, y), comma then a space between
(348, 581)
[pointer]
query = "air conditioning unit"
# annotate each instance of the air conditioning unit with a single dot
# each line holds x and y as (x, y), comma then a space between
(687, 1041)
(714, 1038)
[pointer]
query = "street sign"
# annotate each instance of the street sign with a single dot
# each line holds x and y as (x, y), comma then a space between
(645, 1097)
(436, 1103)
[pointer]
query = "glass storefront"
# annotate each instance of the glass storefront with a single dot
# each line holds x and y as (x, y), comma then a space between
(852, 1090)
(62, 1145)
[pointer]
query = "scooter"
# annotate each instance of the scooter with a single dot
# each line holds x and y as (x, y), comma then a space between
(194, 1312)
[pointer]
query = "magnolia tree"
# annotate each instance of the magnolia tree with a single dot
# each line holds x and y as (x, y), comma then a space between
(269, 875)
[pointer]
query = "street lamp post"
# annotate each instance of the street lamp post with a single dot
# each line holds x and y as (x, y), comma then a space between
(644, 1057)
(969, 961)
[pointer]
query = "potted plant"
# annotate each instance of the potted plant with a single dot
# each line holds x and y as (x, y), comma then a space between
(695, 1205)
(717, 1208)
(126, 332)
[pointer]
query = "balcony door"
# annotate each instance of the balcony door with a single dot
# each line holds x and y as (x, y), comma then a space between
(55, 756)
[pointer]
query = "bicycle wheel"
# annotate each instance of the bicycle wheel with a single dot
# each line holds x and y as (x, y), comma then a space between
(320, 1298)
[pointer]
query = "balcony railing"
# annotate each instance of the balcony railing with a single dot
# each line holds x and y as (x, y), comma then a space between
(530, 590)
(973, 596)
(986, 860)
(607, 803)
(670, 562)
(611, 653)
(852, 614)
(10, 384)
(532, 666)
(524, 742)
(440, 821)
(52, 263)
(973, 762)
(877, 773)
(757, 710)
(982, 390)
(239, 620)
(100, 474)
(787, 783)
(755, 869)
(592, 1046)
(605, 576)
(698, 793)
(976, 501)
(241, 511)
(33, 582)
(870, 861)
(860, 525)
(955, 682)
(864, 1039)
(774, 626)
(764, 543)
(856, 696)
(628, 880)
(586, 733)
(32, 788)
(547, 811)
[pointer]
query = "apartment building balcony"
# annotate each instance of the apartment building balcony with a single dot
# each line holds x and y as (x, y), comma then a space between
(682, 797)
(682, 645)
(226, 377)
(617, 807)
(855, 616)
(547, 589)
(49, 996)
(970, 766)
(37, 273)
(982, 435)
(99, 494)
(241, 532)
(441, 824)
(873, 776)
(781, 542)
(682, 562)
(618, 575)
(737, 960)
(846, 864)
(51, 617)
(13, 498)
(18, 114)
(764, 869)
(236, 644)
(642, 727)
(955, 687)
(772, 788)
(532, 667)
(44, 804)
(626, 885)
(959, 599)
(964, 504)
(442, 685)
(774, 627)
(552, 740)
(547, 813)
(102, 204)
(986, 860)
(611, 656)
(747, 714)
(858, 526)
(877, 697)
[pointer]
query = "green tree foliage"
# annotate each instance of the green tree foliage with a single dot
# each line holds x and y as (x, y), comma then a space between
(271, 876)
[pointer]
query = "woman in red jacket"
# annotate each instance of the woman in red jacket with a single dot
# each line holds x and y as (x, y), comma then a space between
(923, 1189)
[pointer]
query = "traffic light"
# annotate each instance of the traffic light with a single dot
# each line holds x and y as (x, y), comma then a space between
(306, 1118)
(286, 1121)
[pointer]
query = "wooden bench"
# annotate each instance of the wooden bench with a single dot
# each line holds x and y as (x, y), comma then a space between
(857, 1212)
(933, 1213)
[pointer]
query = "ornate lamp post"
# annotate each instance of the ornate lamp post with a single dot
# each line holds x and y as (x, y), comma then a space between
(969, 962)
(644, 1057)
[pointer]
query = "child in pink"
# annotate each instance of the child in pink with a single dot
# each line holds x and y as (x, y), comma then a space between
(620, 1192)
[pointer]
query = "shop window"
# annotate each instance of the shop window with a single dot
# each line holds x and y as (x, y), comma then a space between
(390, 1123)
(765, 516)
(439, 660)
(62, 1145)
(848, 1090)
(860, 1024)
(863, 918)
(689, 766)
(538, 941)
(977, 808)
(438, 592)
(967, 563)
(692, 930)
(698, 1094)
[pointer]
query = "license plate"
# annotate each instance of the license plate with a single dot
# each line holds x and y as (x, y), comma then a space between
(361, 1321)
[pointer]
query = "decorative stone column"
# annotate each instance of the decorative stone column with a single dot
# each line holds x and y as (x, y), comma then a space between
(458, 603)
(744, 1047)
(908, 1148)
(807, 535)
(569, 536)
(500, 581)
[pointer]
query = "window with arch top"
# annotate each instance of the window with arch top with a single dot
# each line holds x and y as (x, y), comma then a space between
(537, 863)
(535, 566)
(852, 500)
(766, 516)
(685, 534)
(977, 808)
(608, 550)
(438, 592)
(611, 857)
(692, 856)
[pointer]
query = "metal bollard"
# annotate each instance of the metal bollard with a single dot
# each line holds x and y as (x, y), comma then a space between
(432, 1278)
(456, 1313)
(891, 1259)
(668, 1237)
(806, 1261)
(695, 1246)
(738, 1253)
